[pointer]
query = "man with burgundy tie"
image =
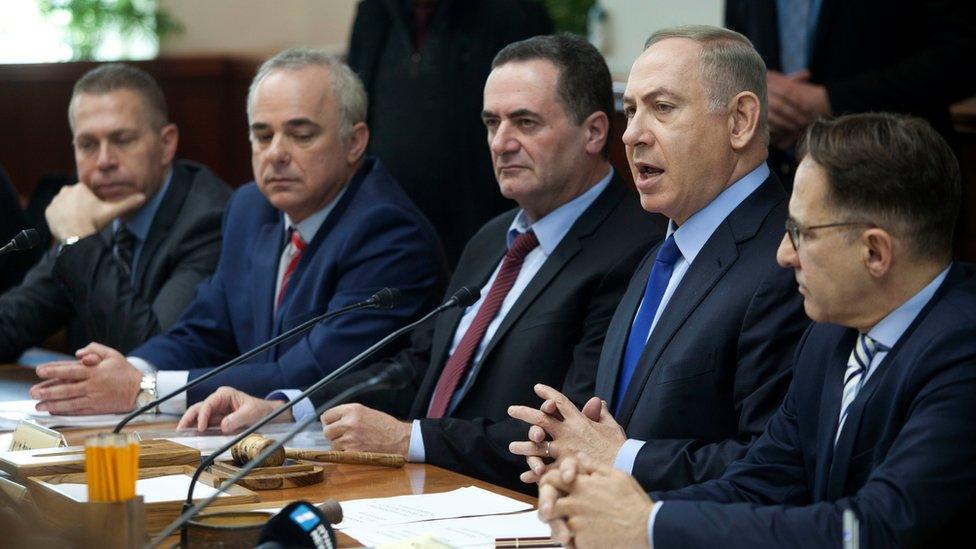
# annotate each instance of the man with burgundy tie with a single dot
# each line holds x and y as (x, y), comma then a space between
(550, 275)
(875, 441)
(321, 228)
(698, 354)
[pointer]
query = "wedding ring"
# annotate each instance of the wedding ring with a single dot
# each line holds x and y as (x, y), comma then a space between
(548, 444)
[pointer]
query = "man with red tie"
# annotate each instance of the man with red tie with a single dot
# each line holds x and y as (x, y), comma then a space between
(550, 272)
(322, 227)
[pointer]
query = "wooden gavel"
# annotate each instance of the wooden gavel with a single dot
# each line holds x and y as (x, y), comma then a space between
(252, 446)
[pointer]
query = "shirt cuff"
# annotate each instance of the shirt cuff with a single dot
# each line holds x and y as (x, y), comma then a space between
(301, 410)
(650, 523)
(141, 364)
(168, 381)
(627, 455)
(415, 451)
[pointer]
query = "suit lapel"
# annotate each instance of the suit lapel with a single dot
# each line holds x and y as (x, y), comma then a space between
(718, 255)
(830, 410)
(265, 257)
(166, 216)
(616, 340)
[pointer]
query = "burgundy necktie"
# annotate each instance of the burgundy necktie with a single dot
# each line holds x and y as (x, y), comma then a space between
(298, 246)
(458, 362)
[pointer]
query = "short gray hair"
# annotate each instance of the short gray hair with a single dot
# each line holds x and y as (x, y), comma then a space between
(729, 65)
(347, 88)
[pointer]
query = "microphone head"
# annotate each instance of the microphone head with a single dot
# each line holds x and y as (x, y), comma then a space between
(386, 298)
(466, 296)
(299, 524)
(27, 239)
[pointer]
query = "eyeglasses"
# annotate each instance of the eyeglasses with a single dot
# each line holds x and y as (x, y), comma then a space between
(794, 230)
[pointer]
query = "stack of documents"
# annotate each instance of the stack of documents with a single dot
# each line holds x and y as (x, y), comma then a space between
(466, 517)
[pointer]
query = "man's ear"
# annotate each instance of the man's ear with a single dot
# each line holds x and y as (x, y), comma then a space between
(356, 142)
(597, 127)
(169, 135)
(743, 119)
(878, 251)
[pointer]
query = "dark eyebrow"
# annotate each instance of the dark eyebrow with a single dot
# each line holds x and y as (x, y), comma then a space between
(662, 91)
(291, 124)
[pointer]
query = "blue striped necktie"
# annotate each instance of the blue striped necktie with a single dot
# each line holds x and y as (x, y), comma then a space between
(857, 369)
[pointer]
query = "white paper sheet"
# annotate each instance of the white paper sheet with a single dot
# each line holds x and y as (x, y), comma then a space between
(459, 532)
(463, 502)
(153, 490)
(17, 410)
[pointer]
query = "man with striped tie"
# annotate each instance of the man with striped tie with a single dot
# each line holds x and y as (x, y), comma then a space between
(880, 422)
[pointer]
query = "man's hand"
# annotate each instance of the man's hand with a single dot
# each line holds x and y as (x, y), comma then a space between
(76, 211)
(793, 104)
(356, 427)
(231, 409)
(102, 381)
(591, 505)
(592, 431)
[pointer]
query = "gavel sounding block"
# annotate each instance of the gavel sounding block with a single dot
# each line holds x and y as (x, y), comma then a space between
(288, 475)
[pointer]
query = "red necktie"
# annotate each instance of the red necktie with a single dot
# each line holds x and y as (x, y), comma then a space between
(298, 246)
(458, 362)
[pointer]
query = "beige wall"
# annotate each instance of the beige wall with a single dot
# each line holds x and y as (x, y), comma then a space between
(630, 22)
(258, 27)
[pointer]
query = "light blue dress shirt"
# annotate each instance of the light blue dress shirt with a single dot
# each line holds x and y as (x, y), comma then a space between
(886, 332)
(691, 238)
(140, 223)
(784, 28)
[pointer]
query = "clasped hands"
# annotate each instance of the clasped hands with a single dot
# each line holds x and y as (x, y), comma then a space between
(570, 453)
(100, 381)
(794, 102)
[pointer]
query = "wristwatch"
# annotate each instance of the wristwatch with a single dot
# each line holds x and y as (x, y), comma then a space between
(147, 391)
(70, 241)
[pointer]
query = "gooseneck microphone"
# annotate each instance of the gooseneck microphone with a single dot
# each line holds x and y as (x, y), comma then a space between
(395, 376)
(383, 299)
(462, 298)
(24, 240)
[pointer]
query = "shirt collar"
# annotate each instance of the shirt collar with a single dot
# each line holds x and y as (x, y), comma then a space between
(891, 327)
(551, 229)
(695, 232)
(140, 222)
(311, 224)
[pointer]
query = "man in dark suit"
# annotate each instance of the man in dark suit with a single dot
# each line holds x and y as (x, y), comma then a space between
(424, 65)
(13, 266)
(323, 227)
(697, 356)
(880, 421)
(838, 57)
(135, 235)
(547, 106)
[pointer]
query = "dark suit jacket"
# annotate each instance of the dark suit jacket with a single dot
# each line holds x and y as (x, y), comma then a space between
(909, 56)
(903, 463)
(718, 363)
(85, 289)
(553, 334)
(373, 238)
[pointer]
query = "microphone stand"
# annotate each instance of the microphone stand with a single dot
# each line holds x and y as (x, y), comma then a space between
(384, 379)
(377, 301)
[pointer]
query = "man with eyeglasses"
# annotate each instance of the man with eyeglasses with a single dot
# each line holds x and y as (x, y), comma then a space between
(698, 355)
(880, 421)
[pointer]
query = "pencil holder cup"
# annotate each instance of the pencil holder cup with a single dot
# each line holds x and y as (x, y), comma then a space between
(115, 525)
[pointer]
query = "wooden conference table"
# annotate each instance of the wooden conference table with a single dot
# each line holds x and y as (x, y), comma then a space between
(343, 482)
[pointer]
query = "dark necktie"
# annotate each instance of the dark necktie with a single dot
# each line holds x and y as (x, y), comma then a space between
(125, 245)
(657, 283)
(458, 362)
